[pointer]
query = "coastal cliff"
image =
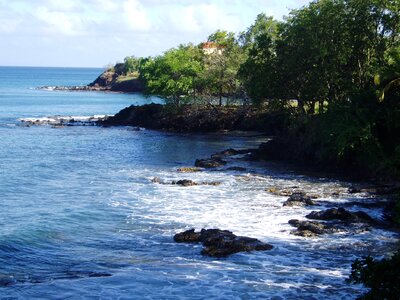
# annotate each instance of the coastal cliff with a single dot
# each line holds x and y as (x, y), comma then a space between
(114, 79)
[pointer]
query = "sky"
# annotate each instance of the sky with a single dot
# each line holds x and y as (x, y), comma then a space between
(96, 33)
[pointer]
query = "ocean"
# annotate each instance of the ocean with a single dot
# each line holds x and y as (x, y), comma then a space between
(80, 217)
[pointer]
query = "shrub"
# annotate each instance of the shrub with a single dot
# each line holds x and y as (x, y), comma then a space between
(381, 276)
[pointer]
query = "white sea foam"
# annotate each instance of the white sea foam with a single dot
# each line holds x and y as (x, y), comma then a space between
(309, 267)
(64, 120)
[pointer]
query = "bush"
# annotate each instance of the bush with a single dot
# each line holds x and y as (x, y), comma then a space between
(381, 276)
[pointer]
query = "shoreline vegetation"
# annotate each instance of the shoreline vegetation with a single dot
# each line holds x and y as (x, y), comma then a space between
(325, 83)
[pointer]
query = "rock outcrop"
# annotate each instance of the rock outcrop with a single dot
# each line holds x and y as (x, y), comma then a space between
(189, 118)
(299, 199)
(187, 182)
(110, 80)
(184, 182)
(59, 121)
(229, 152)
(341, 214)
(189, 170)
(221, 243)
(210, 163)
(311, 228)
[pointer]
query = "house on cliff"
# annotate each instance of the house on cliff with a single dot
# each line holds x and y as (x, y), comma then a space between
(211, 47)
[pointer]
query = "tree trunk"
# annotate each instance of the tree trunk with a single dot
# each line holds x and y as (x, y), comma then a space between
(321, 107)
(312, 107)
(220, 96)
(300, 106)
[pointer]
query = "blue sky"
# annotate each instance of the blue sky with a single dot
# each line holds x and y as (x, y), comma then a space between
(94, 33)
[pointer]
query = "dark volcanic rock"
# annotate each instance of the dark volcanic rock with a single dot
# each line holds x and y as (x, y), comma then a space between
(311, 228)
(299, 199)
(185, 182)
(189, 118)
(225, 247)
(189, 169)
(230, 152)
(221, 243)
(342, 215)
(209, 163)
(148, 116)
(188, 236)
(105, 79)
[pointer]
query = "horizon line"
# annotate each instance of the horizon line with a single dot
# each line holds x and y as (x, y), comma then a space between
(36, 66)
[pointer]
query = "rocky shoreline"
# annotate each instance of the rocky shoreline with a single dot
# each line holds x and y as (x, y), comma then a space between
(61, 121)
(336, 219)
(191, 118)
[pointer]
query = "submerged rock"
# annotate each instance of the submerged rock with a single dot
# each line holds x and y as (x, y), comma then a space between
(189, 169)
(225, 153)
(299, 199)
(210, 163)
(214, 183)
(6, 280)
(341, 214)
(235, 168)
(279, 192)
(221, 243)
(157, 180)
(185, 182)
(60, 121)
(230, 152)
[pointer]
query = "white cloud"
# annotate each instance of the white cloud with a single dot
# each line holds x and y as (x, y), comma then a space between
(62, 5)
(135, 16)
(58, 22)
(107, 30)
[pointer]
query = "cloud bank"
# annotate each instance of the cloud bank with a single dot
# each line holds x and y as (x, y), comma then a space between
(97, 32)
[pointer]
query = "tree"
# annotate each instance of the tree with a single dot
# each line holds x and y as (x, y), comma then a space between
(221, 67)
(263, 26)
(131, 64)
(173, 74)
(259, 71)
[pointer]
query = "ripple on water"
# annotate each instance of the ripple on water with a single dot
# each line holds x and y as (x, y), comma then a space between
(89, 222)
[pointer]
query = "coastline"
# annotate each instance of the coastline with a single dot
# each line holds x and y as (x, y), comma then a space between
(303, 231)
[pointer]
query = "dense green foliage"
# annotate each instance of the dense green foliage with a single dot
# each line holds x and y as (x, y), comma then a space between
(189, 74)
(173, 75)
(381, 276)
(339, 59)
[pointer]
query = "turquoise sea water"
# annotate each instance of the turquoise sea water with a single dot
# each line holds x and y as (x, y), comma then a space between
(81, 219)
